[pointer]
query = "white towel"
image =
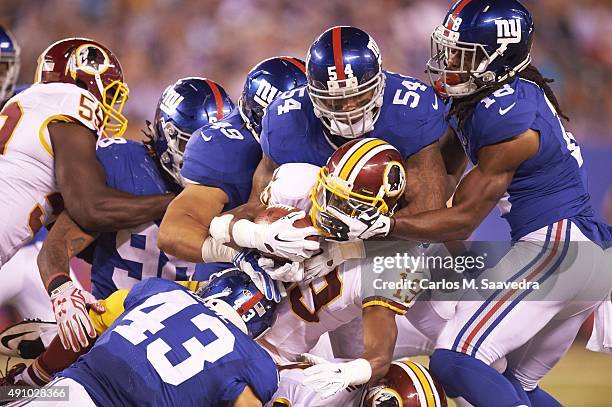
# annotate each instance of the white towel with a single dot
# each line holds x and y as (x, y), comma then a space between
(601, 337)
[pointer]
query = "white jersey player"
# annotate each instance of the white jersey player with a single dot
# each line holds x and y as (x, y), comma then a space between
(31, 197)
(47, 144)
(331, 302)
(48, 135)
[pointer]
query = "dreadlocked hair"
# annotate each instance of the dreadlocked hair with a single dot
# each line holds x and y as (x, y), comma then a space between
(462, 108)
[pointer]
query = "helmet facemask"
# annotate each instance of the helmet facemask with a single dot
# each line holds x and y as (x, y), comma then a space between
(9, 72)
(251, 117)
(94, 61)
(330, 103)
(171, 159)
(460, 68)
(331, 195)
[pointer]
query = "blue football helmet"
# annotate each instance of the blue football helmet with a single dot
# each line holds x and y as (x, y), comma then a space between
(345, 80)
(232, 294)
(184, 107)
(480, 43)
(9, 65)
(264, 83)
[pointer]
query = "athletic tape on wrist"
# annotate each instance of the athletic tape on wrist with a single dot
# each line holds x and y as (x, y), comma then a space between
(219, 227)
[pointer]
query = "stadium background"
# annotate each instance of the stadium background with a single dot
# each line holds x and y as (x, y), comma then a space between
(159, 41)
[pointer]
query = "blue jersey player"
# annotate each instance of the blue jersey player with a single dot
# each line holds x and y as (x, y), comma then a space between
(220, 160)
(508, 121)
(348, 96)
(174, 347)
(9, 65)
(120, 259)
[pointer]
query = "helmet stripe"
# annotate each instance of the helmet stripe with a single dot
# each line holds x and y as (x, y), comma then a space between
(218, 98)
(295, 62)
(416, 382)
(460, 7)
(337, 47)
(354, 158)
(364, 160)
(431, 382)
(424, 382)
(244, 308)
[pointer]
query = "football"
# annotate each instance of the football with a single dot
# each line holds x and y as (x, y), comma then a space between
(275, 212)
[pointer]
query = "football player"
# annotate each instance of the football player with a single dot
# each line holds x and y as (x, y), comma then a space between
(508, 120)
(9, 65)
(219, 163)
(348, 95)
(121, 259)
(49, 135)
(375, 171)
(47, 153)
(176, 347)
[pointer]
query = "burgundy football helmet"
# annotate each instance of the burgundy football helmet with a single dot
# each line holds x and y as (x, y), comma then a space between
(406, 384)
(363, 175)
(91, 66)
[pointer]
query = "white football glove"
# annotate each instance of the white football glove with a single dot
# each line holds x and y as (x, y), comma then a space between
(327, 378)
(70, 309)
(332, 254)
(280, 237)
(289, 272)
(368, 224)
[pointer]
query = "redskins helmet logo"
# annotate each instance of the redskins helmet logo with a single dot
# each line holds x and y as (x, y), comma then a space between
(90, 59)
(384, 397)
(394, 179)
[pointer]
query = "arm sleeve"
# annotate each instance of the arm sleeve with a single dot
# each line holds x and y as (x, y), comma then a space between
(113, 308)
(220, 162)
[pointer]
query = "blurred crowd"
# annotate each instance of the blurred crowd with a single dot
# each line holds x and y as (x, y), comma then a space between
(159, 41)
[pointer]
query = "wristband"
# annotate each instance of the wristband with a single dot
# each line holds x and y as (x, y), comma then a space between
(352, 250)
(56, 281)
(219, 228)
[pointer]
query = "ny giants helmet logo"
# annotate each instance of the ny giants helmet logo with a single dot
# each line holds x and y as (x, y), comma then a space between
(171, 101)
(508, 31)
(373, 46)
(266, 93)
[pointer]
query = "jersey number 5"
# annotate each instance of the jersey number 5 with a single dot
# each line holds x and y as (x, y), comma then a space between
(9, 119)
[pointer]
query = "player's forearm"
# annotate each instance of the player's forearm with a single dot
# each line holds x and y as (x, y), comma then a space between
(440, 225)
(110, 210)
(248, 211)
(182, 236)
(426, 182)
(380, 335)
(65, 240)
(185, 226)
